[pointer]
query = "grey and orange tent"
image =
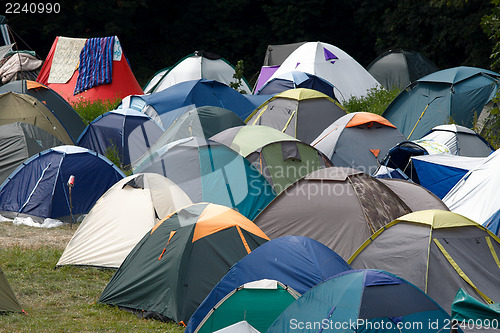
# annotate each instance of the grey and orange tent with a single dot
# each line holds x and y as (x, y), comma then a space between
(358, 140)
(175, 266)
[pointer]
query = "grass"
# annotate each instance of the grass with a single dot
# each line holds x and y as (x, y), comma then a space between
(90, 110)
(63, 299)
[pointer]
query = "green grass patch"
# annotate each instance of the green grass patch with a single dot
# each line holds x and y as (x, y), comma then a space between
(90, 110)
(376, 101)
(64, 299)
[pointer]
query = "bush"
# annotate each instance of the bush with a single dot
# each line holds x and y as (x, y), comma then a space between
(377, 100)
(90, 110)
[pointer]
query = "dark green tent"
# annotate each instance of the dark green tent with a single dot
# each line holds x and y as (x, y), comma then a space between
(8, 301)
(174, 267)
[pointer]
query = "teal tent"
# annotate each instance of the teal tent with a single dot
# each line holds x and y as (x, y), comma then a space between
(452, 95)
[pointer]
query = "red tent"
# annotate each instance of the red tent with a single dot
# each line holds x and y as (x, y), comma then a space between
(123, 82)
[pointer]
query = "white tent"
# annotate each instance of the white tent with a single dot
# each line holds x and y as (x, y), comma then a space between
(239, 327)
(332, 64)
(477, 194)
(460, 140)
(120, 218)
(194, 67)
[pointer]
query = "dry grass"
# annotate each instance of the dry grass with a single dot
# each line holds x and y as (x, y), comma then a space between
(34, 238)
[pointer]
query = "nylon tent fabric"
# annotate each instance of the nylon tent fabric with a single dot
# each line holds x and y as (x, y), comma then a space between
(474, 196)
(18, 142)
(440, 172)
(246, 139)
(123, 82)
(174, 267)
(466, 308)
(127, 132)
(202, 122)
(493, 223)
(167, 105)
(438, 251)
(54, 102)
(38, 188)
(460, 140)
(363, 301)
(120, 218)
(296, 261)
(456, 94)
(358, 140)
(277, 54)
(301, 113)
(333, 65)
(296, 79)
(17, 107)
(259, 303)
(211, 172)
(264, 75)
(339, 207)
(195, 66)
(396, 69)
(240, 327)
(8, 300)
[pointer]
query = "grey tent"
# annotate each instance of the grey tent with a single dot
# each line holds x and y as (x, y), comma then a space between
(8, 301)
(439, 252)
(18, 142)
(276, 54)
(339, 207)
(399, 68)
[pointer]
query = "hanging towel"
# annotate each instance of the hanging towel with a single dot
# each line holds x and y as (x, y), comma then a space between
(96, 63)
(65, 59)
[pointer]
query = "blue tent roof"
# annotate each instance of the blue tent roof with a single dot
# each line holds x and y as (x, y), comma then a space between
(456, 94)
(296, 261)
(131, 132)
(197, 93)
(39, 187)
(493, 223)
(363, 301)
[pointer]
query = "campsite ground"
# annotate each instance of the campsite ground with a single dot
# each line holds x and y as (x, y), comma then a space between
(62, 299)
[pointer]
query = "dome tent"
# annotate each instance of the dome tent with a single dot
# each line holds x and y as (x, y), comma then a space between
(172, 269)
(38, 188)
(8, 300)
(120, 218)
(438, 251)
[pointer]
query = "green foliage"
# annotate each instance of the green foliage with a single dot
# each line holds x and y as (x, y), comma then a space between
(376, 101)
(90, 110)
(238, 76)
(491, 25)
(491, 127)
(113, 155)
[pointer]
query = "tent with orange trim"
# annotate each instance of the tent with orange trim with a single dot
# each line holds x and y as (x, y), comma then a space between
(358, 140)
(65, 67)
(175, 266)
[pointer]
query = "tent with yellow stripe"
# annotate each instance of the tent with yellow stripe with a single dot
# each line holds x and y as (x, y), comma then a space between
(175, 266)
(438, 251)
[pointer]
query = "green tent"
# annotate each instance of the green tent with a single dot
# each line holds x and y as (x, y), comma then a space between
(175, 266)
(8, 301)
(466, 309)
(259, 303)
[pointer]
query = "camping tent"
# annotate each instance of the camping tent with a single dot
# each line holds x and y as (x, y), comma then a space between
(199, 65)
(296, 79)
(363, 301)
(466, 309)
(38, 188)
(71, 120)
(358, 140)
(240, 327)
(202, 122)
(333, 65)
(167, 105)
(396, 69)
(476, 194)
(120, 218)
(8, 300)
(211, 172)
(174, 267)
(460, 140)
(126, 132)
(493, 223)
(456, 94)
(339, 207)
(18, 107)
(81, 69)
(301, 113)
(296, 261)
(18, 142)
(440, 172)
(276, 54)
(438, 251)
(257, 302)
